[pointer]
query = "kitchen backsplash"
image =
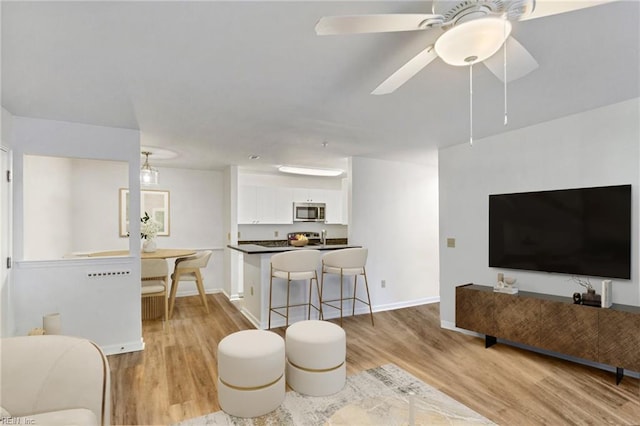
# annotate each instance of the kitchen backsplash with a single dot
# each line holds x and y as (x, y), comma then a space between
(268, 232)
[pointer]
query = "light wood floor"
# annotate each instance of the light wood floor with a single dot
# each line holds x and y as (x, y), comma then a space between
(174, 378)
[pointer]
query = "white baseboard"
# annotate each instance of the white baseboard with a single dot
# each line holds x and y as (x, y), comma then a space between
(252, 319)
(123, 347)
(405, 304)
(185, 293)
(448, 325)
(328, 313)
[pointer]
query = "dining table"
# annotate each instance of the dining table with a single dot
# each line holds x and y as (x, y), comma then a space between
(160, 253)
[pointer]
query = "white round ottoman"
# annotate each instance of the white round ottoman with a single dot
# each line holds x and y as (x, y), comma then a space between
(316, 353)
(251, 379)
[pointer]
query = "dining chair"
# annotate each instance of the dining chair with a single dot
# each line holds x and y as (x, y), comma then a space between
(154, 284)
(293, 266)
(348, 262)
(188, 269)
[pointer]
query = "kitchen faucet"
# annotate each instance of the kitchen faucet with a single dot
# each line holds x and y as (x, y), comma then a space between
(323, 237)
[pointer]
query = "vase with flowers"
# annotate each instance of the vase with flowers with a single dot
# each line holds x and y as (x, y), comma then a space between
(148, 231)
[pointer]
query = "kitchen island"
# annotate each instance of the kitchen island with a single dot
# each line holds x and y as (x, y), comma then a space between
(256, 273)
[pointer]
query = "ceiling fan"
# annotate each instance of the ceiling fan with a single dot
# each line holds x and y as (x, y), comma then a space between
(472, 31)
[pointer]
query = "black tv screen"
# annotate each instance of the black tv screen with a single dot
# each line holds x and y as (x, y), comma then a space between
(585, 231)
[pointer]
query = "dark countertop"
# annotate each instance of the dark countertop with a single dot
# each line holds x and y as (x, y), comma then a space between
(257, 249)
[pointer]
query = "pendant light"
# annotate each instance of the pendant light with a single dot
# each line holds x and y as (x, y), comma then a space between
(148, 175)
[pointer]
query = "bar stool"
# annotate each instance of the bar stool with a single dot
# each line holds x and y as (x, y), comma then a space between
(346, 262)
(294, 265)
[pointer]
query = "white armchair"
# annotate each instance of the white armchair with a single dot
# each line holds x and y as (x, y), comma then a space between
(54, 380)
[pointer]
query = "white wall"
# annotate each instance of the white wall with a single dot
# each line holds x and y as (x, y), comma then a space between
(595, 148)
(197, 203)
(6, 312)
(106, 309)
(394, 213)
(71, 205)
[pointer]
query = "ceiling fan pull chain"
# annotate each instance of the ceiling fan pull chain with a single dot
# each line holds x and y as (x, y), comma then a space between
(504, 48)
(471, 104)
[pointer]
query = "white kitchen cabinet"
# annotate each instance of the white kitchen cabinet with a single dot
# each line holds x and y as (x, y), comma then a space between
(333, 212)
(310, 195)
(264, 205)
(333, 198)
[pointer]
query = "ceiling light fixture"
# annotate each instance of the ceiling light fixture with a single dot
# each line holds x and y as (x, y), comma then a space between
(473, 41)
(148, 175)
(310, 171)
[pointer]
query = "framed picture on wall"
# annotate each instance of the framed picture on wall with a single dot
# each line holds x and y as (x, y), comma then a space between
(154, 203)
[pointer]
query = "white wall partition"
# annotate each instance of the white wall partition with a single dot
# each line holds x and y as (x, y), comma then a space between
(394, 213)
(595, 148)
(97, 298)
(6, 205)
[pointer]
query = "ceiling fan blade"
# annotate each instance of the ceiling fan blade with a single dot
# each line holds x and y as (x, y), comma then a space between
(554, 7)
(358, 24)
(407, 71)
(519, 61)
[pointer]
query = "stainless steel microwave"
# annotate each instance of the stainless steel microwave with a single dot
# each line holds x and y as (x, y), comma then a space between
(309, 212)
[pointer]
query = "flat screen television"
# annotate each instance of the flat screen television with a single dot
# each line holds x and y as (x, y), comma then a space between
(584, 231)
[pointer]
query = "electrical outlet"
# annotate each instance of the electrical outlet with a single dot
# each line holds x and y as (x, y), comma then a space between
(275, 233)
(451, 242)
(251, 290)
(383, 283)
(238, 234)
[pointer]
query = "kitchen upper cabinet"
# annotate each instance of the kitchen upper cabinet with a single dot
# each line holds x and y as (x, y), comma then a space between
(264, 205)
(310, 195)
(334, 210)
(333, 198)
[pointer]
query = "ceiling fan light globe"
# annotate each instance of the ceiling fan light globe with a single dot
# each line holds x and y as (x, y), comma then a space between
(480, 38)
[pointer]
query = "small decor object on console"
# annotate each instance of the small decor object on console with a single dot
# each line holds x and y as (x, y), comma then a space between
(606, 294)
(577, 298)
(506, 286)
(590, 298)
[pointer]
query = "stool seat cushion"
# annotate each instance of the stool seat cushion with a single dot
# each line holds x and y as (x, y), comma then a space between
(295, 275)
(345, 271)
(316, 345)
(251, 358)
(152, 286)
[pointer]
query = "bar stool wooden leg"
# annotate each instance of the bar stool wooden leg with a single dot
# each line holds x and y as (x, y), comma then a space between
(270, 296)
(366, 285)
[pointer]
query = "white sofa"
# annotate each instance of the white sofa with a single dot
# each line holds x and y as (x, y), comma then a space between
(54, 380)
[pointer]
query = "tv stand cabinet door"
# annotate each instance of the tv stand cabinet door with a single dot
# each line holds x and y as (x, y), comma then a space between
(517, 318)
(569, 329)
(474, 310)
(619, 339)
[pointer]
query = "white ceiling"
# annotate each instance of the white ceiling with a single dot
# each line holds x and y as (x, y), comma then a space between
(217, 81)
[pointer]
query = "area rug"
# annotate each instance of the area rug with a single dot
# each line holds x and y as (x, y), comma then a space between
(385, 395)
